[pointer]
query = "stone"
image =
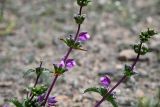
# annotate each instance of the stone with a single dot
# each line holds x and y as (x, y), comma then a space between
(62, 97)
(6, 84)
(119, 66)
(107, 72)
(127, 54)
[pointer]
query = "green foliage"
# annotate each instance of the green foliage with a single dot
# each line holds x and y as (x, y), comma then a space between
(144, 36)
(38, 90)
(143, 49)
(25, 103)
(103, 92)
(59, 70)
(70, 42)
(28, 103)
(16, 102)
(83, 2)
(79, 18)
(128, 71)
(38, 71)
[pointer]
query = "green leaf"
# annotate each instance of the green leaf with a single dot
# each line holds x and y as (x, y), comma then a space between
(128, 71)
(93, 89)
(146, 35)
(143, 51)
(38, 90)
(103, 92)
(29, 103)
(28, 72)
(136, 48)
(83, 2)
(114, 103)
(111, 99)
(70, 42)
(59, 70)
(40, 70)
(16, 102)
(79, 18)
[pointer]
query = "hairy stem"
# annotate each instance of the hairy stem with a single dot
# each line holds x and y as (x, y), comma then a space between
(50, 89)
(65, 58)
(36, 82)
(40, 66)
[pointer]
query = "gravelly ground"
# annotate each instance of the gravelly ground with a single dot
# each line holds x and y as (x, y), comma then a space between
(113, 26)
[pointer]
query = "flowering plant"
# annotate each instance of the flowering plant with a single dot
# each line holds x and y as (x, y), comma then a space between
(39, 95)
(107, 93)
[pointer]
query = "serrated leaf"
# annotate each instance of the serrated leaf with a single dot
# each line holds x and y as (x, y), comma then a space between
(28, 72)
(39, 70)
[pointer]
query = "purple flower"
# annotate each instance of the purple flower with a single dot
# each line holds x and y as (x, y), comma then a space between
(50, 102)
(41, 98)
(70, 63)
(83, 36)
(62, 64)
(105, 81)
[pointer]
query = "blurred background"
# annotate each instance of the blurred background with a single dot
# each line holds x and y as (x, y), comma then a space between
(30, 32)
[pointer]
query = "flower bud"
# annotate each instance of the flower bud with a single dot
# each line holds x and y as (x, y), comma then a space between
(70, 63)
(83, 2)
(79, 18)
(105, 81)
